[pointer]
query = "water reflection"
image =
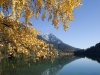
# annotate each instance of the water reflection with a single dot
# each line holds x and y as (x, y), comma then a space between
(96, 58)
(28, 67)
(46, 67)
(58, 65)
(83, 66)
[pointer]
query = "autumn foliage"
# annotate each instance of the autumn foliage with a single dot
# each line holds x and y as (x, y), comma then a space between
(21, 37)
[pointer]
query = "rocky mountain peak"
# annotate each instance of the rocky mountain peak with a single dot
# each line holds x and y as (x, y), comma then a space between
(51, 37)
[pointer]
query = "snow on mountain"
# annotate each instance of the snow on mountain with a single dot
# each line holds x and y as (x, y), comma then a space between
(51, 38)
(57, 43)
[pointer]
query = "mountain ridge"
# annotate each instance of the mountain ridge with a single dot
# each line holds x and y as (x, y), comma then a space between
(50, 38)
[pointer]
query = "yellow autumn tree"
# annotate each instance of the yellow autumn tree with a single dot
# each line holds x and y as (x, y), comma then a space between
(21, 37)
(18, 39)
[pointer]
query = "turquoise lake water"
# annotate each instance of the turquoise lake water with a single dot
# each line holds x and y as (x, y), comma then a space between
(60, 66)
(82, 66)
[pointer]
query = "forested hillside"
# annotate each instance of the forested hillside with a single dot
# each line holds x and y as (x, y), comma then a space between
(92, 51)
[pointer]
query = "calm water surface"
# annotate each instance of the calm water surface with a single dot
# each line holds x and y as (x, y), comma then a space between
(83, 66)
(61, 66)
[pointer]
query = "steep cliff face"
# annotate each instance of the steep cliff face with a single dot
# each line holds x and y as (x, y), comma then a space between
(57, 43)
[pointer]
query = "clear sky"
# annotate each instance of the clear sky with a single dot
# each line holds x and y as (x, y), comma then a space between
(83, 31)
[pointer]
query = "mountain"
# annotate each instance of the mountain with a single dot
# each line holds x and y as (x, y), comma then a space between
(91, 52)
(51, 38)
(57, 43)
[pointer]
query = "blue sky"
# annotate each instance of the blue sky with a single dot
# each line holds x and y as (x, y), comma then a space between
(83, 31)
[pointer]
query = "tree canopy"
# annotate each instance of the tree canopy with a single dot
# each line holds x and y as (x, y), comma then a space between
(20, 37)
(58, 10)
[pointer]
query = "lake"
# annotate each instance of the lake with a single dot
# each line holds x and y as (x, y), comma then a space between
(61, 66)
